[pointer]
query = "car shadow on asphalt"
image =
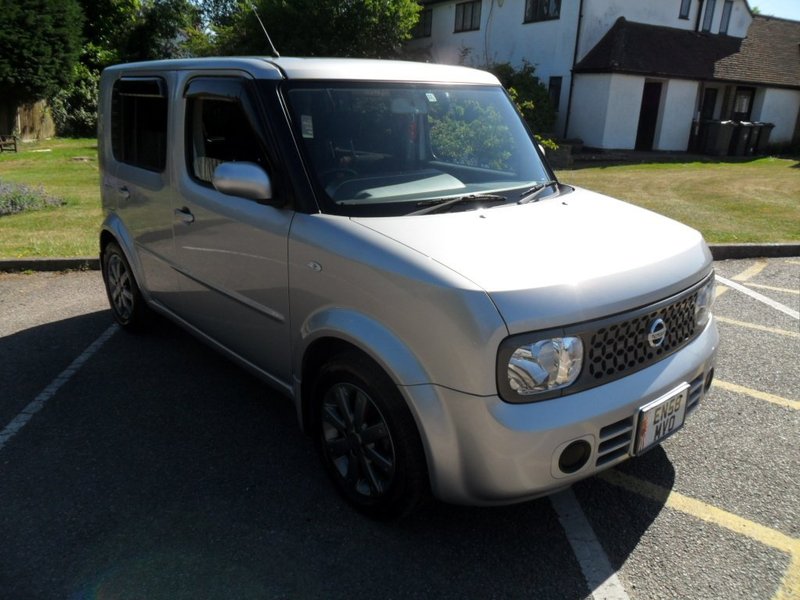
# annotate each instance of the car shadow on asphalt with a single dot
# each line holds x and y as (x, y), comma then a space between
(162, 470)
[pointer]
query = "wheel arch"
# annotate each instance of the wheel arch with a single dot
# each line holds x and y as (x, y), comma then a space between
(336, 331)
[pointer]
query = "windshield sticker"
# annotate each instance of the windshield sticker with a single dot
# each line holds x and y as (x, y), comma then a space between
(430, 96)
(307, 126)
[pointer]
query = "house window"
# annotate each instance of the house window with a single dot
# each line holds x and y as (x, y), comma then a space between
(686, 6)
(743, 103)
(726, 17)
(542, 10)
(423, 27)
(139, 122)
(554, 89)
(709, 16)
(468, 16)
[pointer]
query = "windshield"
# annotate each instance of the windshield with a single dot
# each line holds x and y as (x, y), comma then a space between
(379, 149)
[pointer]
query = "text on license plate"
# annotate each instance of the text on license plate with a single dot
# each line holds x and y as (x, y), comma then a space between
(660, 418)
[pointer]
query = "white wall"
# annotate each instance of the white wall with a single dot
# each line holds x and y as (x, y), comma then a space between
(590, 108)
(504, 37)
(780, 107)
(678, 102)
(605, 110)
(625, 103)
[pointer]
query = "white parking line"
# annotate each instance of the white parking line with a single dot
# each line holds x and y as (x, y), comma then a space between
(760, 297)
(38, 403)
(600, 577)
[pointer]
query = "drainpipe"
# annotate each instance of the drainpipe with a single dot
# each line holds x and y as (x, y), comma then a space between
(699, 16)
(572, 71)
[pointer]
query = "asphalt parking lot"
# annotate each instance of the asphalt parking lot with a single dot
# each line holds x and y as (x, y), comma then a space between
(146, 466)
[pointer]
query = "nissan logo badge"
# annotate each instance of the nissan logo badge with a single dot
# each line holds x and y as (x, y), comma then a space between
(657, 333)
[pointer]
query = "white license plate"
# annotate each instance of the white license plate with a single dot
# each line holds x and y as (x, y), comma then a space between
(660, 418)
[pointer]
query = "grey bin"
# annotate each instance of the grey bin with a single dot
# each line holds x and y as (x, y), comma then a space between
(715, 137)
(762, 140)
(740, 140)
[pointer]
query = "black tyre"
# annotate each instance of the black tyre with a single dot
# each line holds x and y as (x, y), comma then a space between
(126, 301)
(367, 438)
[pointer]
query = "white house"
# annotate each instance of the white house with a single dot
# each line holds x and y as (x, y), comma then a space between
(630, 74)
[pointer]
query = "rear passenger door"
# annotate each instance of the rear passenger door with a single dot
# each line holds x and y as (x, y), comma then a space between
(232, 251)
(136, 180)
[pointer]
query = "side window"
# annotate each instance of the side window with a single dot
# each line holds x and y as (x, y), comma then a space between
(139, 122)
(219, 131)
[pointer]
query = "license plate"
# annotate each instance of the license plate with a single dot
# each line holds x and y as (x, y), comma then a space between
(661, 418)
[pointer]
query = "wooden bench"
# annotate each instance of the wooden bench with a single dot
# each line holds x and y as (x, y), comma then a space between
(8, 142)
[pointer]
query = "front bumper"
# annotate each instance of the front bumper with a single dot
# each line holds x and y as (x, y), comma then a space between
(484, 451)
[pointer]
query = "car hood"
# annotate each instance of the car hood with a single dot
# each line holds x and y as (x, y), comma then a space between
(561, 260)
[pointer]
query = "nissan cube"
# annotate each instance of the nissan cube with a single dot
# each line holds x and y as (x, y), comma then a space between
(384, 243)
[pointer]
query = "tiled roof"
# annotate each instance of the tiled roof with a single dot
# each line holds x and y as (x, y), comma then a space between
(770, 55)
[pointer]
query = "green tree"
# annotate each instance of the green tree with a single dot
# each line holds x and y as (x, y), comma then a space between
(40, 41)
(164, 29)
(355, 28)
(528, 93)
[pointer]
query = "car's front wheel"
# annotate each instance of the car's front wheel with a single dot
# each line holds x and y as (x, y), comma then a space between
(367, 438)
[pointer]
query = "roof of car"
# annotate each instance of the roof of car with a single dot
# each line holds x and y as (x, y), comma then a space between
(323, 69)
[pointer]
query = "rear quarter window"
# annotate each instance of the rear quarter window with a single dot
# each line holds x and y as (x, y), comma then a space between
(139, 122)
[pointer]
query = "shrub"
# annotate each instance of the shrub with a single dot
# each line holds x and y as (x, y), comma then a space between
(15, 198)
(528, 93)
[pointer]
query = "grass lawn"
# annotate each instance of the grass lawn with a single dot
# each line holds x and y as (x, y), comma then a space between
(735, 201)
(67, 169)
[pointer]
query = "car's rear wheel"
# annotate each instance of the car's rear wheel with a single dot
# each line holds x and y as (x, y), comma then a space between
(367, 438)
(123, 292)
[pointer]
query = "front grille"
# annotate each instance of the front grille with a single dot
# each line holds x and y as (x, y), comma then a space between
(622, 347)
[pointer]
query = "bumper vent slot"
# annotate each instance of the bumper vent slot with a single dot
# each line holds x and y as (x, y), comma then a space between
(695, 393)
(615, 440)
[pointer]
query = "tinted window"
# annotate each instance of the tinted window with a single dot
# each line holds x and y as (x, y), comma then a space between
(219, 131)
(139, 122)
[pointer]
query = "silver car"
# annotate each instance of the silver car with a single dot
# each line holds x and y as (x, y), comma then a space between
(385, 243)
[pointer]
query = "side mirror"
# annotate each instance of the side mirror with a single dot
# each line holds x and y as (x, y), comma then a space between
(243, 179)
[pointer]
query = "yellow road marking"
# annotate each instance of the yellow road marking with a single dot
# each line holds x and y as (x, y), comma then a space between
(774, 289)
(721, 289)
(793, 262)
(792, 334)
(740, 389)
(790, 584)
(751, 272)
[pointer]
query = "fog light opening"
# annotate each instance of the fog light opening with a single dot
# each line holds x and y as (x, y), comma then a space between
(709, 379)
(574, 457)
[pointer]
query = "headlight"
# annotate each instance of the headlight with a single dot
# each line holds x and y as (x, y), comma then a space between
(704, 302)
(544, 365)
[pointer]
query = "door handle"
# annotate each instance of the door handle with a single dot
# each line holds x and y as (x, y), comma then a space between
(185, 215)
(124, 192)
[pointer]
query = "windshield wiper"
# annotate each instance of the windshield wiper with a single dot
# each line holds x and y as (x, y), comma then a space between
(533, 193)
(434, 206)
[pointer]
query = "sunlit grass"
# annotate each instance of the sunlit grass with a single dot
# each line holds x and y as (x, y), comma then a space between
(728, 201)
(66, 169)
